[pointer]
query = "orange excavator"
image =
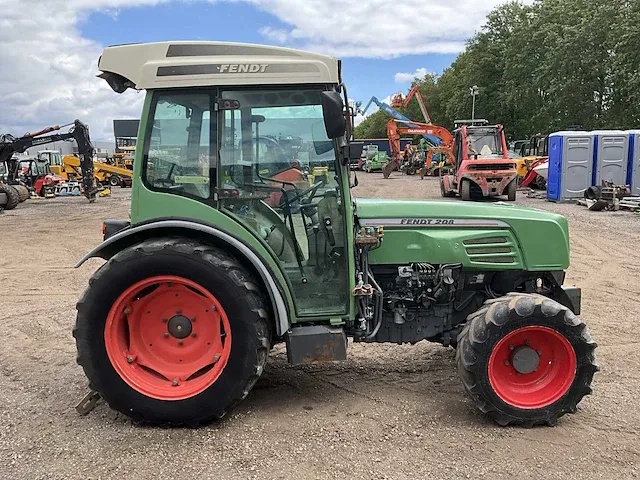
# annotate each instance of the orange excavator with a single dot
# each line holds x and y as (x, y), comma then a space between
(407, 161)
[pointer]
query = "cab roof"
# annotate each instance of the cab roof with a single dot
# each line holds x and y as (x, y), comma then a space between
(196, 64)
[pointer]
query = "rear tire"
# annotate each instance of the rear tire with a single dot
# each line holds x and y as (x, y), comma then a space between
(216, 273)
(465, 190)
(114, 181)
(565, 351)
(512, 190)
(13, 198)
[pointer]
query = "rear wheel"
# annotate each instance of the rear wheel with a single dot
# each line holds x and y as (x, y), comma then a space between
(172, 332)
(13, 198)
(525, 359)
(114, 181)
(512, 189)
(465, 189)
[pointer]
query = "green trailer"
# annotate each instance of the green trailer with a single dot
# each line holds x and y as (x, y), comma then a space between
(207, 275)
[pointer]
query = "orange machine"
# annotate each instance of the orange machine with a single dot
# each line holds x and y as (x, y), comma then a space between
(394, 132)
(415, 92)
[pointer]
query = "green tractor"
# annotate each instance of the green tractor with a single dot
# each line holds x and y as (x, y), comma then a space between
(207, 276)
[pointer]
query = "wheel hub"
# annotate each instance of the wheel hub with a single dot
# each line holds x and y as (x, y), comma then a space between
(179, 326)
(525, 359)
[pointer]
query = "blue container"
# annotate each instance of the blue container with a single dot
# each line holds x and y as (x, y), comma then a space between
(633, 166)
(570, 165)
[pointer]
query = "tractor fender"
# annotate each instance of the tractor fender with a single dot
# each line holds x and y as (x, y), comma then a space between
(193, 229)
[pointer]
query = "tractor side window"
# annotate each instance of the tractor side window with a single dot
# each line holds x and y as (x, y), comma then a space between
(178, 150)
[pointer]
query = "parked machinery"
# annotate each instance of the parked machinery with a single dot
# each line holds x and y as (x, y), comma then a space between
(79, 132)
(482, 167)
(175, 328)
(411, 163)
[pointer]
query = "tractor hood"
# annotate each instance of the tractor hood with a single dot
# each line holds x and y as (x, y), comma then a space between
(479, 235)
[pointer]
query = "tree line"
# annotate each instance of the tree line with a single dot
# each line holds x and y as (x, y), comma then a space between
(540, 68)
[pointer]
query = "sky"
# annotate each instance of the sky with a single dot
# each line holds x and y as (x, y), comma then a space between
(49, 49)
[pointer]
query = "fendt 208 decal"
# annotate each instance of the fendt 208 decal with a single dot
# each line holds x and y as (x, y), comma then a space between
(432, 222)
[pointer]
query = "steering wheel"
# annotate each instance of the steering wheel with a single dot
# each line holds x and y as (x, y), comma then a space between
(311, 190)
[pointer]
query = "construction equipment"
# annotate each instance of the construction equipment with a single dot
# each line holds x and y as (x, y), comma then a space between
(70, 168)
(415, 92)
(205, 277)
(79, 132)
(410, 163)
(391, 110)
(534, 154)
(482, 164)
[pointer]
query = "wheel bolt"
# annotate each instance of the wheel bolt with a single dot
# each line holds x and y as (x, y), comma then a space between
(213, 308)
(216, 357)
(175, 382)
(180, 342)
(130, 358)
(127, 311)
(506, 363)
(194, 334)
(539, 352)
(165, 320)
(193, 319)
(511, 347)
(166, 334)
(526, 342)
(178, 312)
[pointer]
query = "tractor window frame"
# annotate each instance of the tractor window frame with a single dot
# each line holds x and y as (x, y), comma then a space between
(158, 95)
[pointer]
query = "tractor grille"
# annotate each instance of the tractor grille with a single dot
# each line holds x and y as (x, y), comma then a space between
(491, 166)
(491, 250)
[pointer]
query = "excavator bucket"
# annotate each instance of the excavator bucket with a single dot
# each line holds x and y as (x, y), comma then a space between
(388, 168)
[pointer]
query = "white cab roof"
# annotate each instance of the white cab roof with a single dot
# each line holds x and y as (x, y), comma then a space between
(193, 64)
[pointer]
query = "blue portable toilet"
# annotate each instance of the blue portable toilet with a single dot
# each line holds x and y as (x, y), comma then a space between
(611, 157)
(633, 166)
(570, 164)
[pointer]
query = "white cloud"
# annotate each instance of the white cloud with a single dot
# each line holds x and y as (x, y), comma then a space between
(405, 77)
(49, 68)
(276, 34)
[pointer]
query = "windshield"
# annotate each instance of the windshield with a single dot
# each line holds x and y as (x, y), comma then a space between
(484, 141)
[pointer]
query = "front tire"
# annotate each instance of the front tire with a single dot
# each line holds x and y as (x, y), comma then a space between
(115, 181)
(465, 190)
(172, 332)
(526, 359)
(512, 189)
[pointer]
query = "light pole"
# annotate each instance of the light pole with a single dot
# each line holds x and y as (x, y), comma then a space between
(474, 92)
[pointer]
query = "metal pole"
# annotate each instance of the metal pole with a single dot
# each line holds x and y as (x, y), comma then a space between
(474, 91)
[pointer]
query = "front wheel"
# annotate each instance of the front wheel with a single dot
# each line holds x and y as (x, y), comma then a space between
(114, 181)
(526, 359)
(512, 188)
(465, 190)
(172, 332)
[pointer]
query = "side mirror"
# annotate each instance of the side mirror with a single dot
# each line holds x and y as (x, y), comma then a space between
(333, 112)
(353, 151)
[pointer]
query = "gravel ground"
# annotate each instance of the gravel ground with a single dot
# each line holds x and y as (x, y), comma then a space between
(396, 412)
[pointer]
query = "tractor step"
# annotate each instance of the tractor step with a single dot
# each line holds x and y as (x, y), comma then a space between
(316, 344)
(88, 403)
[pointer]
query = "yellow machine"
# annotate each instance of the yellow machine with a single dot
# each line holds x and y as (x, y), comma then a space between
(69, 168)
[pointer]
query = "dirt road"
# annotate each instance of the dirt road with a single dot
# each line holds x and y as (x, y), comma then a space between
(396, 412)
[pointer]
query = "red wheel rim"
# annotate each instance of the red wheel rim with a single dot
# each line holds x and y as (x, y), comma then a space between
(168, 337)
(552, 378)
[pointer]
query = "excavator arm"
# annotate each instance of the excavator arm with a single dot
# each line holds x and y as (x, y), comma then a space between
(415, 92)
(394, 133)
(10, 145)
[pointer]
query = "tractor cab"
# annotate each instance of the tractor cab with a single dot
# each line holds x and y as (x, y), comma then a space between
(52, 157)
